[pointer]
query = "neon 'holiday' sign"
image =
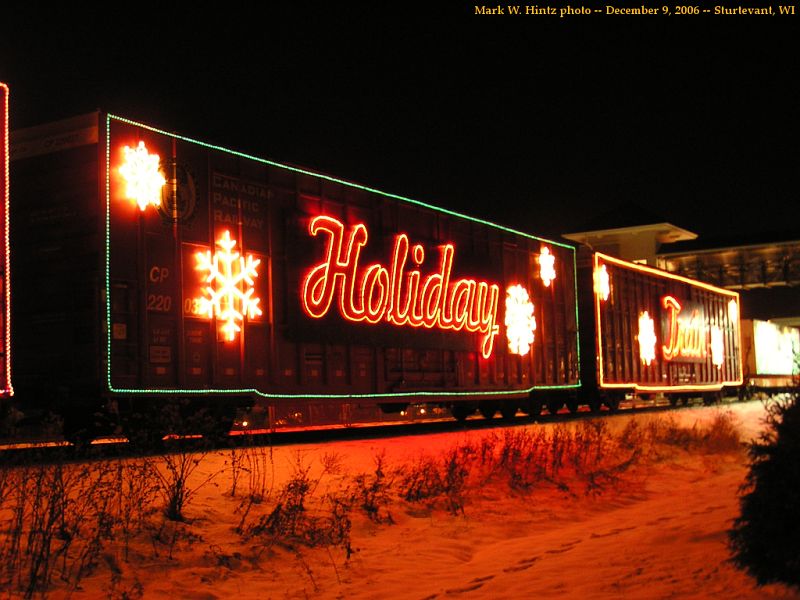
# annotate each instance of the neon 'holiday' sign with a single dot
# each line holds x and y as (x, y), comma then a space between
(398, 293)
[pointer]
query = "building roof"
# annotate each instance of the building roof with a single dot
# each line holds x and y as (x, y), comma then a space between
(727, 242)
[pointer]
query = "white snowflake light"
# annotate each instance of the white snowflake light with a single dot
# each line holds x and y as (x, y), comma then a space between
(547, 263)
(232, 296)
(717, 347)
(647, 338)
(520, 322)
(733, 311)
(143, 179)
(602, 282)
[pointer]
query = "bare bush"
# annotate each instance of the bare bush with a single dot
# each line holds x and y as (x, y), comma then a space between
(292, 521)
(373, 492)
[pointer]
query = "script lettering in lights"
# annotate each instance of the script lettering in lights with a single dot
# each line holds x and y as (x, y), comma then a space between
(547, 262)
(520, 322)
(142, 175)
(602, 282)
(397, 293)
(686, 337)
(231, 298)
(646, 338)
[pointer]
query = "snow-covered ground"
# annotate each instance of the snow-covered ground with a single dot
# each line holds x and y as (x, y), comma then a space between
(657, 532)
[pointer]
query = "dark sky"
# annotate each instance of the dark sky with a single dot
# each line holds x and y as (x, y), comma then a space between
(537, 122)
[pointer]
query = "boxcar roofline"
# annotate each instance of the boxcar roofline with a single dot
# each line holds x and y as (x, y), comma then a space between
(477, 394)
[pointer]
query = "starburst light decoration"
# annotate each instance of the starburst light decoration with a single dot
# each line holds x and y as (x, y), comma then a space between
(602, 282)
(547, 263)
(717, 347)
(520, 322)
(231, 296)
(647, 338)
(143, 179)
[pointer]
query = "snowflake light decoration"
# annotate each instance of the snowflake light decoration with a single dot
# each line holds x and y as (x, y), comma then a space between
(547, 263)
(733, 311)
(520, 322)
(143, 179)
(717, 347)
(602, 282)
(647, 338)
(232, 296)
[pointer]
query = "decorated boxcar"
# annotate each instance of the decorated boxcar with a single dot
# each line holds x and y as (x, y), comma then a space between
(655, 332)
(771, 352)
(153, 269)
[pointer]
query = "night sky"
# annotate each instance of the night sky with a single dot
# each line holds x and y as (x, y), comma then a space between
(537, 122)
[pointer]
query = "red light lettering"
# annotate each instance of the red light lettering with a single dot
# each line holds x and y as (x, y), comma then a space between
(396, 295)
(686, 338)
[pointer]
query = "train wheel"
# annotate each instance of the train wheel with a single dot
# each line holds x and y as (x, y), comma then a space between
(553, 406)
(508, 410)
(594, 405)
(612, 402)
(673, 399)
(487, 409)
(533, 407)
(711, 398)
(79, 429)
(460, 412)
(572, 405)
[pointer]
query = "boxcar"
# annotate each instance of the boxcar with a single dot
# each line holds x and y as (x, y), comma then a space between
(655, 332)
(770, 357)
(151, 268)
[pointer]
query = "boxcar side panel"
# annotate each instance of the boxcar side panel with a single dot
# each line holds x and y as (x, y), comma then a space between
(246, 276)
(655, 331)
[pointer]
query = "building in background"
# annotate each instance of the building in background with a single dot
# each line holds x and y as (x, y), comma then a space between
(631, 233)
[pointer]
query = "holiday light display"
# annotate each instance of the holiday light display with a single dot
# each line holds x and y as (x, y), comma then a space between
(717, 347)
(142, 175)
(602, 282)
(646, 338)
(6, 282)
(733, 311)
(396, 294)
(547, 261)
(683, 340)
(520, 322)
(466, 305)
(686, 337)
(231, 298)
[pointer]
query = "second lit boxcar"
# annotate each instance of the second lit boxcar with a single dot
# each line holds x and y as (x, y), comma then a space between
(161, 268)
(655, 332)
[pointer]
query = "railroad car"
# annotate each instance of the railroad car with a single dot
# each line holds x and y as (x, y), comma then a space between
(653, 332)
(152, 269)
(770, 352)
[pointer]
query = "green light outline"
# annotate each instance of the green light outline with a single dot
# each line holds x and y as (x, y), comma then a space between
(245, 391)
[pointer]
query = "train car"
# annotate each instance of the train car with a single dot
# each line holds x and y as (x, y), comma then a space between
(154, 269)
(654, 332)
(6, 390)
(771, 352)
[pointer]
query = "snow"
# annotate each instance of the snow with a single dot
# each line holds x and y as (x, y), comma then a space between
(659, 533)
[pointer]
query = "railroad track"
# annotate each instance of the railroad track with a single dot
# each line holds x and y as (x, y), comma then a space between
(34, 445)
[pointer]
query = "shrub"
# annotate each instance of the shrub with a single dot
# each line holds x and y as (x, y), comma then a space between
(765, 538)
